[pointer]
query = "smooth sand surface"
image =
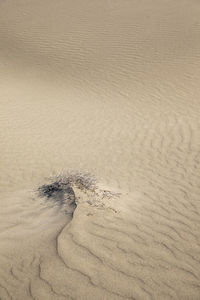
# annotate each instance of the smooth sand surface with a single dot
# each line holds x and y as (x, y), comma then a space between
(110, 87)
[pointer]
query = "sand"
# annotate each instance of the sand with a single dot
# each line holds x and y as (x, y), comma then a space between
(111, 88)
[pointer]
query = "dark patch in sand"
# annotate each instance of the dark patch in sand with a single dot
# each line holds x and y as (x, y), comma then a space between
(61, 193)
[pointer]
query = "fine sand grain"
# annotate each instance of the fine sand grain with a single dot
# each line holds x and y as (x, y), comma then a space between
(108, 87)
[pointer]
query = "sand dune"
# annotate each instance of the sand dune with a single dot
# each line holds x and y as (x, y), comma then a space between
(110, 88)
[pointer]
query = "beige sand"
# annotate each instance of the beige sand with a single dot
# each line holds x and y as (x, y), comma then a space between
(110, 87)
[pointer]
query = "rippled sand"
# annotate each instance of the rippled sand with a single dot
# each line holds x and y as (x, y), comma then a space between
(108, 87)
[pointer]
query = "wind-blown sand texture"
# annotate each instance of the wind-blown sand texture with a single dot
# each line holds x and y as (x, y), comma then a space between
(108, 87)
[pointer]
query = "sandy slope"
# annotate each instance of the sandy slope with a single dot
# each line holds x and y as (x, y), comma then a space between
(109, 87)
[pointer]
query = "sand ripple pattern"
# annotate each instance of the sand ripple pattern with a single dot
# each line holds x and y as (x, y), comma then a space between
(110, 87)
